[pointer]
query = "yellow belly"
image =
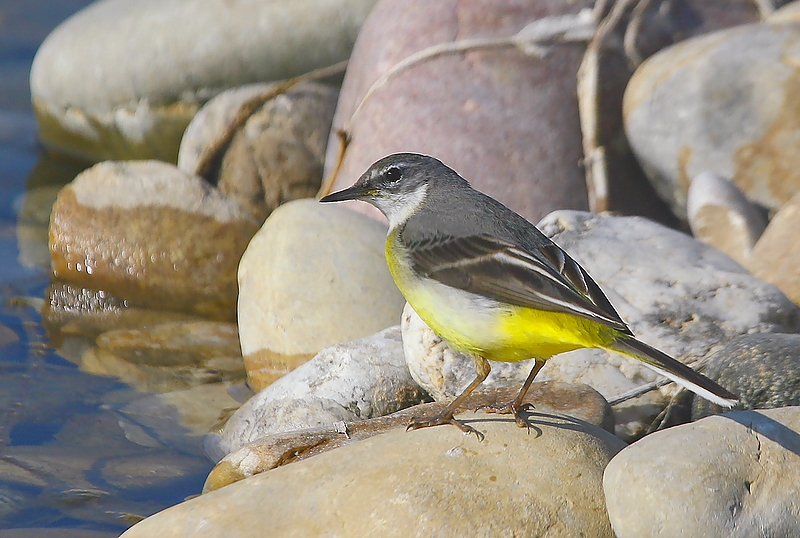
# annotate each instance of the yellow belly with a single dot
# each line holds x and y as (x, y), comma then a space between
(476, 324)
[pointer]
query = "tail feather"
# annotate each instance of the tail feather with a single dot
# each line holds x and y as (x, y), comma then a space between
(675, 370)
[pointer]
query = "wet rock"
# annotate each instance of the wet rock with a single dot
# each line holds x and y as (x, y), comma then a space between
(7, 336)
(762, 369)
(720, 215)
(274, 156)
(313, 276)
(151, 234)
(729, 475)
(676, 293)
(776, 255)
(161, 378)
(550, 398)
(175, 344)
(413, 484)
(723, 103)
(71, 310)
(508, 122)
(32, 221)
(72, 465)
(150, 470)
(345, 382)
(90, 102)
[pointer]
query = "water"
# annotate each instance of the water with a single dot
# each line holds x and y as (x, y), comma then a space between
(85, 454)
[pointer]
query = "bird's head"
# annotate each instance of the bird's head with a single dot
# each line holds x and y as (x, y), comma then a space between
(397, 185)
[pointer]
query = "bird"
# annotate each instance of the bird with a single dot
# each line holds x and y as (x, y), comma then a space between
(491, 284)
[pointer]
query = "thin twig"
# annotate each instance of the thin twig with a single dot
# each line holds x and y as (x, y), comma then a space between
(632, 33)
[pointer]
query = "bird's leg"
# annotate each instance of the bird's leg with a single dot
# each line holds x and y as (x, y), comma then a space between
(516, 406)
(446, 416)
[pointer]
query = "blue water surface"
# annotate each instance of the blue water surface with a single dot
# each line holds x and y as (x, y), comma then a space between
(64, 434)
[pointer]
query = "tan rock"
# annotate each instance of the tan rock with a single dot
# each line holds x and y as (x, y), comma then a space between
(722, 102)
(273, 156)
(151, 234)
(435, 481)
(313, 276)
(720, 215)
(776, 256)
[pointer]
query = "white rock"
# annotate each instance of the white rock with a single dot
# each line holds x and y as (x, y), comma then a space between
(733, 475)
(313, 276)
(357, 380)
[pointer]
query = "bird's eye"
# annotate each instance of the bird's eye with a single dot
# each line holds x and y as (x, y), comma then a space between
(393, 174)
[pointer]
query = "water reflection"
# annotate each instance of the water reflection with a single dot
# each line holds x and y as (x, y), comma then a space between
(84, 454)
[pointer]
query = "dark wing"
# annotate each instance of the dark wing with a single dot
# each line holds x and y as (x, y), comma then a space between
(497, 269)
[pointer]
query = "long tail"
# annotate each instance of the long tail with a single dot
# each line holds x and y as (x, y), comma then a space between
(674, 370)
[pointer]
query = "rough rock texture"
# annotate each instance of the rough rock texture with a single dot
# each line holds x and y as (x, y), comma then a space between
(276, 155)
(776, 256)
(313, 276)
(426, 483)
(734, 475)
(762, 369)
(151, 234)
(720, 215)
(676, 293)
(352, 381)
(506, 121)
(122, 79)
(723, 103)
(579, 402)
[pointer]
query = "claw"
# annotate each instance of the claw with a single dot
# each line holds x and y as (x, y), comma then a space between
(510, 408)
(418, 423)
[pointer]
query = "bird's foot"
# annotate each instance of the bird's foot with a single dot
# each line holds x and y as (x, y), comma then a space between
(437, 420)
(510, 408)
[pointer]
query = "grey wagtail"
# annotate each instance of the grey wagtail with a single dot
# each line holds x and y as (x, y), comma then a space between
(491, 284)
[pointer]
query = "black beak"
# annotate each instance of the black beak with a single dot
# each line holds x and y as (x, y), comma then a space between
(351, 193)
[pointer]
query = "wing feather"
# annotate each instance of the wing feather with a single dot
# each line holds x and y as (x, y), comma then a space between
(547, 280)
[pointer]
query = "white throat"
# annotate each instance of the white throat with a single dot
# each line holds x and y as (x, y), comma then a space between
(401, 207)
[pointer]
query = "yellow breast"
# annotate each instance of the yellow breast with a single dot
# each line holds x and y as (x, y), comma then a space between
(475, 324)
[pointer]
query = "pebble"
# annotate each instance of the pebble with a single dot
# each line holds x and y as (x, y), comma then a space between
(728, 475)
(313, 276)
(676, 293)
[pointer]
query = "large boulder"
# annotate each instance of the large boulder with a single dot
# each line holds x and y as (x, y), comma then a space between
(429, 482)
(121, 79)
